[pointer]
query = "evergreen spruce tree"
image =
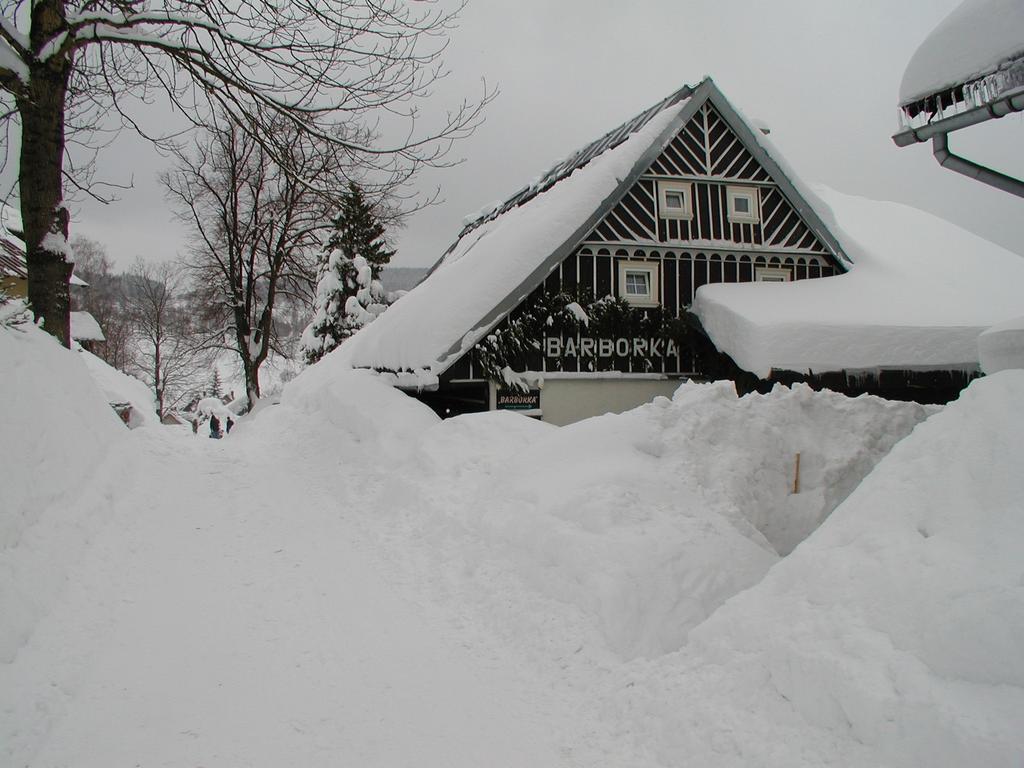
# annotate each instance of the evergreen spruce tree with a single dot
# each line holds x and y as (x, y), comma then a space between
(358, 231)
(215, 384)
(349, 293)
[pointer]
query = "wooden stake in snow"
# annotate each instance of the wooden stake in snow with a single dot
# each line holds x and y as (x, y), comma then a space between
(796, 475)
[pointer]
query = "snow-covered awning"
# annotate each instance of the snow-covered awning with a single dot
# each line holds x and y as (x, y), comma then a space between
(920, 292)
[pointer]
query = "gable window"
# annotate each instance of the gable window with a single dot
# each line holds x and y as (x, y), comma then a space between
(638, 283)
(773, 275)
(744, 205)
(675, 199)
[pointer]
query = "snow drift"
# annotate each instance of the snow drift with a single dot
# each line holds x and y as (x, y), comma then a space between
(57, 430)
(648, 521)
(891, 636)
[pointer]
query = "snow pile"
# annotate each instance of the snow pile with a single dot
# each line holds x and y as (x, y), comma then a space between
(968, 44)
(57, 428)
(454, 302)
(1001, 347)
(891, 636)
(622, 518)
(354, 414)
(119, 387)
(920, 292)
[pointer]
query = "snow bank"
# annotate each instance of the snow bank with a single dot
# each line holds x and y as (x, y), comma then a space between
(919, 293)
(970, 43)
(119, 387)
(57, 430)
(648, 521)
(891, 636)
(355, 414)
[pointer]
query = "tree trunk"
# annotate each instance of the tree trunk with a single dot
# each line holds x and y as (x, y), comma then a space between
(40, 180)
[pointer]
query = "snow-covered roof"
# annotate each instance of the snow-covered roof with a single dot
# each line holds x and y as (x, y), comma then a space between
(12, 262)
(978, 38)
(504, 253)
(920, 292)
(119, 387)
(85, 328)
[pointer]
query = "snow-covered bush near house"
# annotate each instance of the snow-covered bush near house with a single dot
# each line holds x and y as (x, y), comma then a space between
(57, 429)
(891, 636)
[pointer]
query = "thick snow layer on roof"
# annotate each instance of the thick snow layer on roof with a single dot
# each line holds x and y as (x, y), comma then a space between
(85, 328)
(969, 43)
(919, 293)
(419, 330)
(1001, 347)
(119, 387)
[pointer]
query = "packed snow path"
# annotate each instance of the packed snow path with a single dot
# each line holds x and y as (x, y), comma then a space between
(227, 615)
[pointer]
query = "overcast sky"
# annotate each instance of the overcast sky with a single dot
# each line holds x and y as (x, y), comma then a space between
(823, 74)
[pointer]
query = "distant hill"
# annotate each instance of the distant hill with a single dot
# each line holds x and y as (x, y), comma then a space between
(402, 278)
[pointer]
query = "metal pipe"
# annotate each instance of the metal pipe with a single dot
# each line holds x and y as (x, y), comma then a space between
(1012, 102)
(947, 159)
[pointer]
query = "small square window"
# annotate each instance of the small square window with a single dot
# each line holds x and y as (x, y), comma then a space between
(638, 283)
(743, 205)
(675, 200)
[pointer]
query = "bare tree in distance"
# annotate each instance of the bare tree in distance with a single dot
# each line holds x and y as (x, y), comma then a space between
(326, 69)
(257, 219)
(167, 351)
(103, 299)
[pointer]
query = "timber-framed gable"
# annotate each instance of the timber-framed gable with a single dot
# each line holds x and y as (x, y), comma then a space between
(701, 201)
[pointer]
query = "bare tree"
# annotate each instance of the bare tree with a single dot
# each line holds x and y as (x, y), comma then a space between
(257, 217)
(314, 65)
(103, 299)
(167, 353)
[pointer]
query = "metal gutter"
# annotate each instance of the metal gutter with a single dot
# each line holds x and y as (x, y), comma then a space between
(1005, 105)
(948, 159)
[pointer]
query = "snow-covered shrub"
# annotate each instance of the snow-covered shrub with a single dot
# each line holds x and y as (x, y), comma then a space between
(13, 311)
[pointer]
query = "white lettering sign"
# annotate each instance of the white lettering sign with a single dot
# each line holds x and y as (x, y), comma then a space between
(590, 347)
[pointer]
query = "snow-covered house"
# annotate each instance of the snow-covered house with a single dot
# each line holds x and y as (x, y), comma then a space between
(574, 285)
(970, 69)
(570, 298)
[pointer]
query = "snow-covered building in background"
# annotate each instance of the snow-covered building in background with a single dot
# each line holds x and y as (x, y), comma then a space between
(970, 69)
(571, 298)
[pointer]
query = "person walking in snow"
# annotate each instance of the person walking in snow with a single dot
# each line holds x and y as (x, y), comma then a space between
(214, 427)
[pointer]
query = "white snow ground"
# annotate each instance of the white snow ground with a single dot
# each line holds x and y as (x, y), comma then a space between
(345, 580)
